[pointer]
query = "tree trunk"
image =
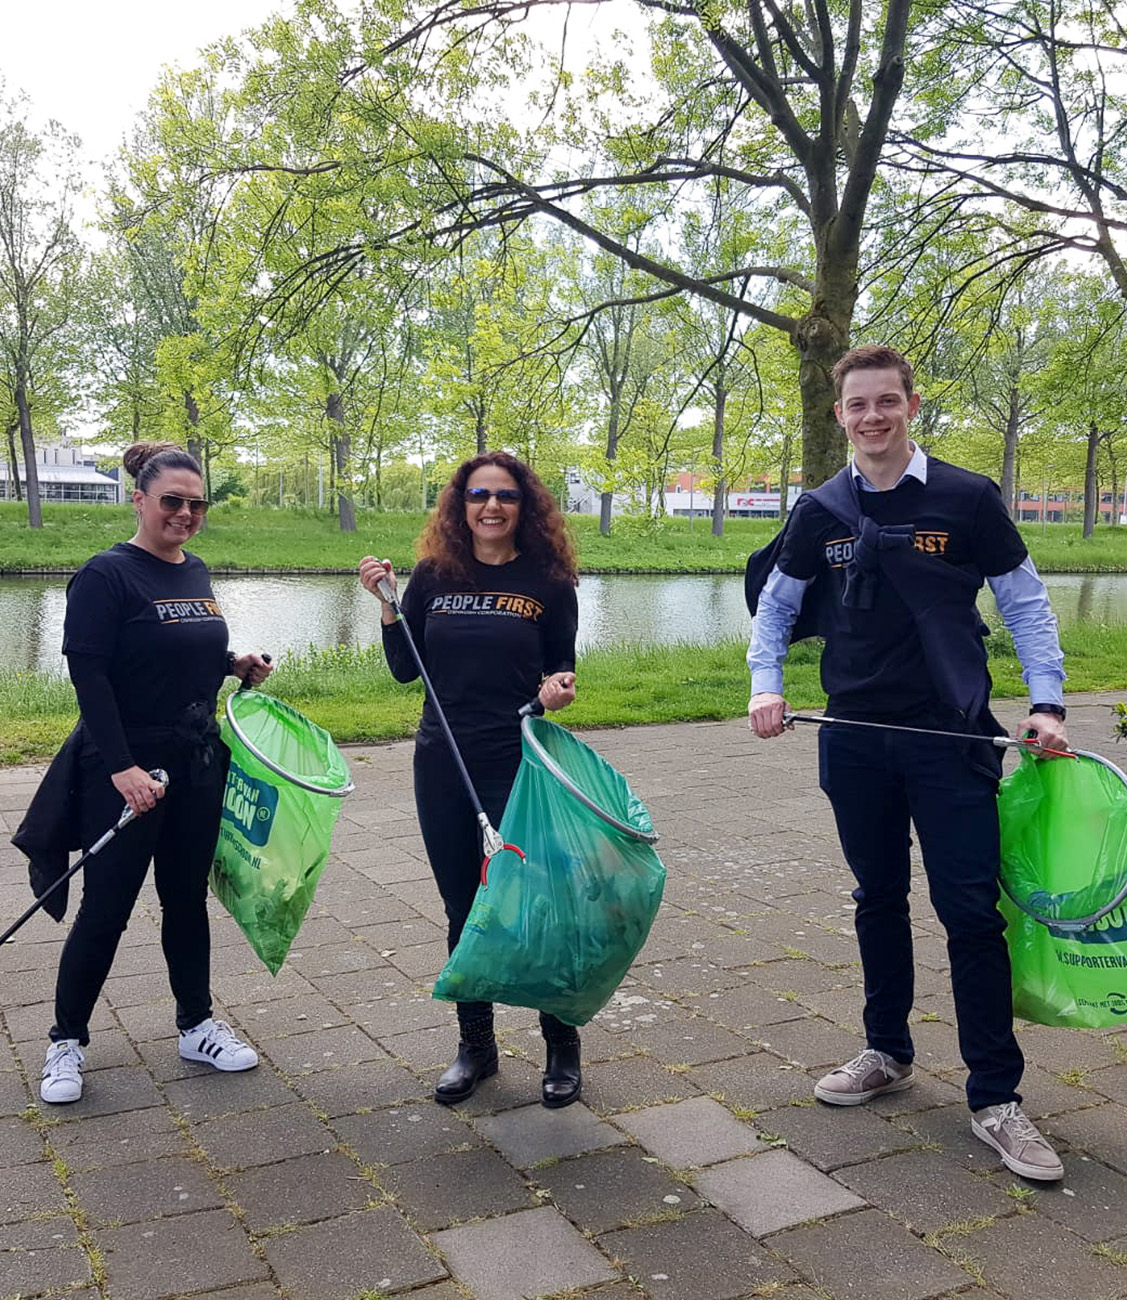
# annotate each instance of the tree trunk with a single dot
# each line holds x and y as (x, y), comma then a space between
(1091, 481)
(1009, 450)
(606, 499)
(27, 441)
(479, 427)
(342, 450)
(784, 479)
(720, 491)
(195, 444)
(820, 341)
(13, 460)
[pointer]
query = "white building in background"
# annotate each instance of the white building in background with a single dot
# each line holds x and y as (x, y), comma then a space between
(65, 474)
(681, 501)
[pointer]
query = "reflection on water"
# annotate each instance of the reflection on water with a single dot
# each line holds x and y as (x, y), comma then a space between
(293, 612)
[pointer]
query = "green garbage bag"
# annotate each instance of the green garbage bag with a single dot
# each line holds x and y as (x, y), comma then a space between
(558, 929)
(284, 790)
(1064, 882)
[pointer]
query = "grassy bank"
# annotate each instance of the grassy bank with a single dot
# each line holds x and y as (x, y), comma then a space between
(350, 692)
(248, 538)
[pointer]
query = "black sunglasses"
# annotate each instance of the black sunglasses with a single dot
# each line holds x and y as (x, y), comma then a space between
(171, 502)
(479, 496)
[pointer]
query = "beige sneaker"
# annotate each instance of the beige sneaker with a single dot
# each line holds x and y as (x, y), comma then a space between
(867, 1075)
(1018, 1141)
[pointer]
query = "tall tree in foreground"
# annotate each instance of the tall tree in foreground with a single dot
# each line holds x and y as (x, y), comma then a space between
(40, 260)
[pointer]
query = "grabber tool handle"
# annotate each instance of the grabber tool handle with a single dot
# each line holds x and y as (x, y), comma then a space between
(244, 685)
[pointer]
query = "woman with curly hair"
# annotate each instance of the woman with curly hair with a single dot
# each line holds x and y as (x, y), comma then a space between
(491, 606)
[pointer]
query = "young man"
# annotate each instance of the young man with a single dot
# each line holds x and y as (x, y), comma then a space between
(899, 544)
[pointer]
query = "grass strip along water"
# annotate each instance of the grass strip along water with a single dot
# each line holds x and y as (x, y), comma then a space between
(242, 539)
(349, 691)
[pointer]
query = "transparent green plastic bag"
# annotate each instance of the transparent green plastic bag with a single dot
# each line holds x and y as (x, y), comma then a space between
(559, 930)
(282, 800)
(1064, 860)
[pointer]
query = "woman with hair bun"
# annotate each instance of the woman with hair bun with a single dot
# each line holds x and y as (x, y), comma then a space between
(491, 606)
(146, 647)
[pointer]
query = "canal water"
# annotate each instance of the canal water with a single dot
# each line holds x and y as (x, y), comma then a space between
(294, 612)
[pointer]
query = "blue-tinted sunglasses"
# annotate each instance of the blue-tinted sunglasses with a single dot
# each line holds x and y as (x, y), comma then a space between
(479, 496)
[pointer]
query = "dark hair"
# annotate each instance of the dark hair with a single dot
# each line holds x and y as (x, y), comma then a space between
(873, 356)
(146, 460)
(541, 532)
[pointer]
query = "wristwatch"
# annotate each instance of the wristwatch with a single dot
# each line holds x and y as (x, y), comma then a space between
(1058, 709)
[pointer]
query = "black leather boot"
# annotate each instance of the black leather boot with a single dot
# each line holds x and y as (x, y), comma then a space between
(563, 1079)
(477, 1055)
(474, 1062)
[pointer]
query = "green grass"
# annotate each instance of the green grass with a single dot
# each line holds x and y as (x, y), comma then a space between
(242, 538)
(350, 692)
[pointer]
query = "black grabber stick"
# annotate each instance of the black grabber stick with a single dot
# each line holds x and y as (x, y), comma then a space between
(127, 815)
(999, 742)
(490, 838)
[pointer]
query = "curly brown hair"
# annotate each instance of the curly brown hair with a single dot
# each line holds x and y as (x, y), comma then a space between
(541, 531)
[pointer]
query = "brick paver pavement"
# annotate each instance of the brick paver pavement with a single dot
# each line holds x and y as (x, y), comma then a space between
(698, 1166)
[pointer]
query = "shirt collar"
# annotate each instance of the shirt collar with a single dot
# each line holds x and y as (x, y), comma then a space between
(916, 468)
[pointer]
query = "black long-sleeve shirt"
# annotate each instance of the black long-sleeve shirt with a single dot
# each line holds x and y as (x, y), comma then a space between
(486, 644)
(144, 639)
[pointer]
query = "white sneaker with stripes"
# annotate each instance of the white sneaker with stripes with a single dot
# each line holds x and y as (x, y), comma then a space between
(215, 1043)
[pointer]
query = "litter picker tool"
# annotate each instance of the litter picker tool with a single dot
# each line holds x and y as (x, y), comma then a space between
(1026, 744)
(491, 839)
(127, 815)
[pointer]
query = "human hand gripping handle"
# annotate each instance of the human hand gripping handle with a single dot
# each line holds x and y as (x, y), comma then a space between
(765, 714)
(378, 577)
(251, 669)
(139, 789)
(557, 691)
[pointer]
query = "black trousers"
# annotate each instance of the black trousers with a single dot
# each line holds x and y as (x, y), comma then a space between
(453, 843)
(879, 783)
(178, 836)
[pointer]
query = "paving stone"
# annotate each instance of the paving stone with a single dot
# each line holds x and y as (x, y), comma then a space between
(534, 1133)
(371, 1250)
(14, 1095)
(1098, 1130)
(98, 1142)
(749, 1009)
(436, 1191)
(20, 1144)
(671, 1259)
(1058, 1050)
(689, 1133)
(323, 1049)
(609, 1189)
(109, 1092)
(260, 1137)
(832, 1136)
(171, 1257)
(301, 1190)
(610, 1086)
(1028, 1255)
(41, 1256)
(352, 1088)
(1091, 1199)
(687, 975)
(928, 1092)
(129, 1193)
(756, 1083)
(811, 1043)
(422, 1049)
(530, 1253)
(773, 1190)
(869, 1257)
(389, 1137)
(795, 976)
(206, 1096)
(302, 1013)
(1047, 1094)
(26, 1190)
(925, 1190)
(688, 1040)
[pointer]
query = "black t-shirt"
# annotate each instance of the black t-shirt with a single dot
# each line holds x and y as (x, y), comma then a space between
(873, 663)
(486, 644)
(156, 634)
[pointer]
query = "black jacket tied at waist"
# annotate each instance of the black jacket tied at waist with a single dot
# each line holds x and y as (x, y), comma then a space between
(52, 826)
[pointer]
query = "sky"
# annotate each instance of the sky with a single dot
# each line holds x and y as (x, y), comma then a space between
(90, 64)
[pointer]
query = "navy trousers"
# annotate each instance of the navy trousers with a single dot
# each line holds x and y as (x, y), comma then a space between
(878, 784)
